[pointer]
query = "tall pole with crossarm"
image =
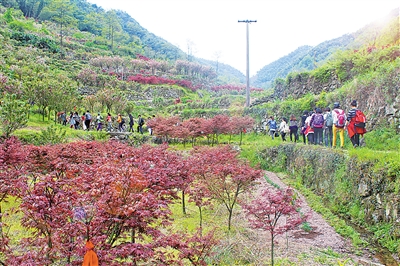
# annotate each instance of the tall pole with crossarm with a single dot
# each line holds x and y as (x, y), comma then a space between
(247, 61)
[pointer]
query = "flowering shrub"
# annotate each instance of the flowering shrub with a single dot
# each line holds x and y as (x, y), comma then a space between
(154, 80)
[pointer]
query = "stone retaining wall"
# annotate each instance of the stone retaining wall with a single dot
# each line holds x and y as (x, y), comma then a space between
(344, 181)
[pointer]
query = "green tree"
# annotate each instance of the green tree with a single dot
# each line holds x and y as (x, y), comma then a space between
(92, 22)
(63, 96)
(43, 88)
(8, 16)
(62, 13)
(112, 27)
(13, 114)
(32, 8)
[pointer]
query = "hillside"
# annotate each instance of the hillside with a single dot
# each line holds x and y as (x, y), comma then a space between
(368, 74)
(143, 203)
(118, 65)
(113, 30)
(307, 58)
(302, 59)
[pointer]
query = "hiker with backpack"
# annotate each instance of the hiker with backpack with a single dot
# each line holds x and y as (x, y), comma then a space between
(283, 128)
(328, 127)
(121, 122)
(99, 122)
(317, 123)
(355, 124)
(272, 126)
(339, 123)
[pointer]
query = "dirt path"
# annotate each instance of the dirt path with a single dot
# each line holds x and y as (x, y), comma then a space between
(320, 246)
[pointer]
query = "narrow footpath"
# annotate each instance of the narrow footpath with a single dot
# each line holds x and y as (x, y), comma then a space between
(321, 245)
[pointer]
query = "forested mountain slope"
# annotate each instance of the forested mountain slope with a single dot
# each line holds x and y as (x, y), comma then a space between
(113, 30)
(308, 58)
(369, 74)
(302, 59)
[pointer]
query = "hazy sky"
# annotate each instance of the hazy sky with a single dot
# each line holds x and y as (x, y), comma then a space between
(212, 28)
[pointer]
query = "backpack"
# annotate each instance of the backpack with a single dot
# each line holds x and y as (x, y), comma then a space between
(360, 119)
(341, 121)
(318, 121)
(141, 122)
(88, 116)
(329, 120)
(272, 125)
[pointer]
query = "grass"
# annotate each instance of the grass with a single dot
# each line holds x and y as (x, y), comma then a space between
(11, 221)
(317, 204)
(250, 148)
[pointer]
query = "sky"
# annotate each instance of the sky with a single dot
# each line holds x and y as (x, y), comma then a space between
(212, 31)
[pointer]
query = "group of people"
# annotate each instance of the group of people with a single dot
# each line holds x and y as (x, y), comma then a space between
(321, 127)
(86, 122)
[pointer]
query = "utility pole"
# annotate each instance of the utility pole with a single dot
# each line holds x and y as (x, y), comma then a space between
(247, 61)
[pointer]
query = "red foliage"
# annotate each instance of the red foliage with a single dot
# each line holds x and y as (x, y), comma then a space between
(12, 179)
(273, 204)
(113, 194)
(155, 80)
(142, 57)
(224, 174)
(193, 128)
(240, 123)
(220, 124)
(12, 159)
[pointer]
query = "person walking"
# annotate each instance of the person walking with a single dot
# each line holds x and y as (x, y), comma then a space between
(283, 128)
(293, 128)
(121, 122)
(99, 121)
(109, 122)
(71, 120)
(140, 124)
(64, 118)
(77, 120)
(317, 123)
(88, 120)
(328, 127)
(339, 123)
(303, 126)
(272, 126)
(131, 122)
(83, 119)
(355, 124)
(309, 131)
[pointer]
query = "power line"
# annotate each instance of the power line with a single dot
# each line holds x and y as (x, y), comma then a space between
(247, 61)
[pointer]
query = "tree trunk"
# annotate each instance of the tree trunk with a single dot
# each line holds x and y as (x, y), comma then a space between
(201, 219)
(1, 222)
(133, 236)
(230, 219)
(61, 40)
(43, 113)
(183, 202)
(272, 249)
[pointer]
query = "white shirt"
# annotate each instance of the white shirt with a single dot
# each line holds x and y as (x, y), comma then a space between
(335, 115)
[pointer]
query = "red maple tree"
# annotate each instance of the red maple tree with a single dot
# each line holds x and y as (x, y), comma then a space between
(115, 195)
(273, 204)
(224, 175)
